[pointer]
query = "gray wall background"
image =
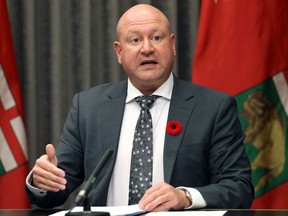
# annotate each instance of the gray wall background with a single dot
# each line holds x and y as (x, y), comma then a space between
(65, 46)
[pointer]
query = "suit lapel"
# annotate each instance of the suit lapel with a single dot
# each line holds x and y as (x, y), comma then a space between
(181, 108)
(112, 115)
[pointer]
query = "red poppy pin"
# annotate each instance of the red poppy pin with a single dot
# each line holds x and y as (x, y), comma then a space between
(174, 127)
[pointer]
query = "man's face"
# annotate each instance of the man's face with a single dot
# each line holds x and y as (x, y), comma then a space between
(146, 49)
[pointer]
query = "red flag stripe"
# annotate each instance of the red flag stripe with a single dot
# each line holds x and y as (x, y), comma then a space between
(9, 114)
(286, 75)
(275, 198)
(12, 187)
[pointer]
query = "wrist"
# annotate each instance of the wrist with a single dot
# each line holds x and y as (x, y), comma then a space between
(188, 197)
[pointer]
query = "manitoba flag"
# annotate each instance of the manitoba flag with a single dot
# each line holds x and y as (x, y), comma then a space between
(242, 49)
(13, 146)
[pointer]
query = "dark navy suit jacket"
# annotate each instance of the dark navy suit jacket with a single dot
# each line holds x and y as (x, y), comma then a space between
(208, 154)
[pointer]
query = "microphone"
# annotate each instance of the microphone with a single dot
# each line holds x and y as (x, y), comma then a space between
(86, 189)
(84, 192)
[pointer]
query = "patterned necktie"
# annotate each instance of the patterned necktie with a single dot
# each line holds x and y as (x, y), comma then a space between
(142, 152)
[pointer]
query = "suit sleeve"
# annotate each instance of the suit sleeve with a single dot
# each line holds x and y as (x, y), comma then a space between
(230, 173)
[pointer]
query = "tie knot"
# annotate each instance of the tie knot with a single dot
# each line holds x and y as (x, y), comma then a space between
(146, 102)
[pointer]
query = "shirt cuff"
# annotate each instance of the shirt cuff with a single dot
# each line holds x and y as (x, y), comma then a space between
(35, 191)
(197, 198)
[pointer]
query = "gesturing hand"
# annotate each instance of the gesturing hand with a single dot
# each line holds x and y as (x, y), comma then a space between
(46, 174)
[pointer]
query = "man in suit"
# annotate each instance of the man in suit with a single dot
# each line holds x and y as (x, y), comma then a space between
(198, 162)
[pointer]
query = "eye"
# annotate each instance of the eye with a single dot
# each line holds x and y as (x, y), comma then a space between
(135, 40)
(156, 38)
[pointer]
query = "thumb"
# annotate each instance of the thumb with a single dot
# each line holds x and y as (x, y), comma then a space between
(50, 152)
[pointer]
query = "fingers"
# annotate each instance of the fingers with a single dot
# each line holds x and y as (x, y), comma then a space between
(154, 198)
(46, 174)
(162, 196)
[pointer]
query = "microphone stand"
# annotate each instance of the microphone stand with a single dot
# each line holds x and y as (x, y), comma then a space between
(86, 210)
(84, 193)
(86, 204)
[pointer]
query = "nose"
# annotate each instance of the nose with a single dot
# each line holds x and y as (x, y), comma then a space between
(147, 47)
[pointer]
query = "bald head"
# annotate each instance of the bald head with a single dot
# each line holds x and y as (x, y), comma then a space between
(140, 13)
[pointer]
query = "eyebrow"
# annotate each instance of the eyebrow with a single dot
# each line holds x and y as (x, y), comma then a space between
(150, 30)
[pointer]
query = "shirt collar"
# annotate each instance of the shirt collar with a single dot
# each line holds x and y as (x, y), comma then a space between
(165, 90)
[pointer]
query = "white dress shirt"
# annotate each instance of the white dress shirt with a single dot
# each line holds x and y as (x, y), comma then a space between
(119, 184)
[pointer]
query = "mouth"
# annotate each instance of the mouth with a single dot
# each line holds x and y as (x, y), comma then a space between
(149, 62)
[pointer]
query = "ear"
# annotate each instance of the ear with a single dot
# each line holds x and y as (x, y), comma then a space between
(173, 43)
(117, 48)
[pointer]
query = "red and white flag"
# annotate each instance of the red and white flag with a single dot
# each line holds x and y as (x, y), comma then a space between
(13, 143)
(242, 49)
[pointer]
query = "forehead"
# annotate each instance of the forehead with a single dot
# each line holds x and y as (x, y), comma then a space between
(142, 20)
(144, 27)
